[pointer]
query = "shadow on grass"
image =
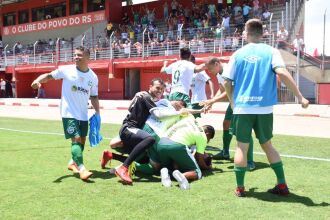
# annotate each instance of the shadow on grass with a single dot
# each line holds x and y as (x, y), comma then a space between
(76, 175)
(291, 198)
(140, 177)
(102, 174)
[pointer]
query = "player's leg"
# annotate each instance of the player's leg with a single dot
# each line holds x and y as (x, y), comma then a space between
(188, 168)
(77, 131)
(226, 136)
(139, 141)
(250, 163)
(263, 130)
(241, 126)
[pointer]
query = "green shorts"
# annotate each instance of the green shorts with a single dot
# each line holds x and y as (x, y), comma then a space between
(196, 106)
(170, 152)
(152, 150)
(229, 113)
(74, 128)
(241, 126)
(178, 96)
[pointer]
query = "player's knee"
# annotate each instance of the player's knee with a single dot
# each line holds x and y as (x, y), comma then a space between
(226, 125)
(151, 141)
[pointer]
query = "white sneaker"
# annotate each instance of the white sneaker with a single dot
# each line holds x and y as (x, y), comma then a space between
(166, 180)
(182, 180)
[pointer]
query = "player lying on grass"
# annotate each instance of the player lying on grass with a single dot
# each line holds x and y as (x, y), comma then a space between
(168, 113)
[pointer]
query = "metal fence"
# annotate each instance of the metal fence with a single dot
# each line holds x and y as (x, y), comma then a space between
(156, 44)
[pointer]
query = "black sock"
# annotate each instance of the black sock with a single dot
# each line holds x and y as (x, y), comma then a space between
(119, 157)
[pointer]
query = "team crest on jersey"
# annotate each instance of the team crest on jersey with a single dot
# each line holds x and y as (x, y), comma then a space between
(74, 88)
(70, 129)
(252, 59)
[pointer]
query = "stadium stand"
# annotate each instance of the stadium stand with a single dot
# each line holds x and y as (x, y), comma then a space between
(128, 45)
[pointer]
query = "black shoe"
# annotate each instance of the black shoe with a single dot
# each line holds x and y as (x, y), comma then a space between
(280, 189)
(221, 156)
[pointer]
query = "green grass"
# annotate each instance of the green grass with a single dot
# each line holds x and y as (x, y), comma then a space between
(35, 182)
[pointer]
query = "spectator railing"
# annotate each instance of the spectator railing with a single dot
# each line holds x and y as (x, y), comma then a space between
(198, 40)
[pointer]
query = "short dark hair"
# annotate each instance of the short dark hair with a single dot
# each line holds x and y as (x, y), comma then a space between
(254, 27)
(157, 80)
(185, 53)
(209, 129)
(85, 50)
(192, 59)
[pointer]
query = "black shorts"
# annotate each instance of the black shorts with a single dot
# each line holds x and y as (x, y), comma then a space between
(131, 137)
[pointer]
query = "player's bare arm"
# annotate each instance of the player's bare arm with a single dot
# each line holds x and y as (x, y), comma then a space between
(162, 70)
(287, 79)
(95, 103)
(41, 79)
(229, 90)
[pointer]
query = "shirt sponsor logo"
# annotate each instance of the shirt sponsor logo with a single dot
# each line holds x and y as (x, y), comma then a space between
(75, 88)
(252, 59)
(249, 98)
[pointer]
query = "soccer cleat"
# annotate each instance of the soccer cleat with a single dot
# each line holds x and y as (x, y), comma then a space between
(122, 173)
(280, 189)
(182, 180)
(240, 192)
(85, 174)
(250, 165)
(165, 178)
(107, 155)
(131, 169)
(221, 156)
(73, 167)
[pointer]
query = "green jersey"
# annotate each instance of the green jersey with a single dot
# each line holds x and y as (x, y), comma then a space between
(188, 132)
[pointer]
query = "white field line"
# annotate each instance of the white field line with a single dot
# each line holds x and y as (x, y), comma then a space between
(258, 153)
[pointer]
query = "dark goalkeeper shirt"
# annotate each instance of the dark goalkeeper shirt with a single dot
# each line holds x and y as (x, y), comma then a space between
(139, 111)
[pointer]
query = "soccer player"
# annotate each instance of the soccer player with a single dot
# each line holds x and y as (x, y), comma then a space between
(79, 85)
(173, 148)
(198, 84)
(250, 83)
(135, 140)
(215, 67)
(182, 73)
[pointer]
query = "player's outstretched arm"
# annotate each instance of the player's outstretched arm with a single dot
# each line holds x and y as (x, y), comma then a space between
(41, 79)
(287, 79)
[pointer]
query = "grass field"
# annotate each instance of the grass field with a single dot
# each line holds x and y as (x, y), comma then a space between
(35, 182)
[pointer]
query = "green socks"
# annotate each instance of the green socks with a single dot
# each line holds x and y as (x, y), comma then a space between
(226, 139)
(76, 151)
(145, 168)
(279, 171)
(250, 151)
(240, 173)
